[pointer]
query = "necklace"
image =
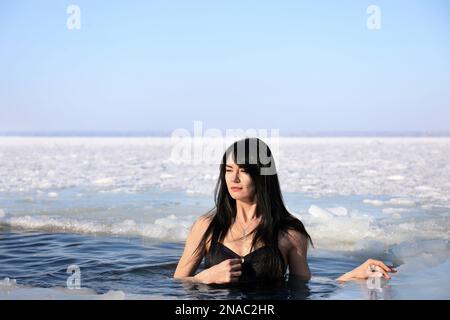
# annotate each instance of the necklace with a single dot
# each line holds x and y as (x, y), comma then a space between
(244, 234)
(244, 229)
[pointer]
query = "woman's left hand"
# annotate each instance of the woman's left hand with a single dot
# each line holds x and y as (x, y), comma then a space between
(370, 268)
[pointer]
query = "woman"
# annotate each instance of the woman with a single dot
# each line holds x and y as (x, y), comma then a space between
(250, 235)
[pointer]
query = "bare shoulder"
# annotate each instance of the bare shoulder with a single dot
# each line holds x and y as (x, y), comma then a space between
(291, 238)
(199, 228)
(202, 223)
(296, 252)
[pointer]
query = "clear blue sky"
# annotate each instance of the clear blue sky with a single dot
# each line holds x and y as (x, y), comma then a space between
(160, 65)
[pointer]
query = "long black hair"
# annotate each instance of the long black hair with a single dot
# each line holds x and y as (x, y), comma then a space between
(255, 157)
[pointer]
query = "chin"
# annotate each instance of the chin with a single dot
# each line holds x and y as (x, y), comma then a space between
(238, 197)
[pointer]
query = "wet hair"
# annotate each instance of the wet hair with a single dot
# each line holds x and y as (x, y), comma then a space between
(255, 157)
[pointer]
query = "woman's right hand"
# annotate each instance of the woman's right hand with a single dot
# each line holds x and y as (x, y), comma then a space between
(228, 271)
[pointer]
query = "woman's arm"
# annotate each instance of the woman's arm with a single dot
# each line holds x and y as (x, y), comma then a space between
(189, 263)
(370, 268)
(297, 255)
(225, 272)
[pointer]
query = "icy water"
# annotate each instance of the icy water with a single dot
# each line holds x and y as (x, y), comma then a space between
(120, 209)
(132, 268)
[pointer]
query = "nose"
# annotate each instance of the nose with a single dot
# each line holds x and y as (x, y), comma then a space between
(236, 177)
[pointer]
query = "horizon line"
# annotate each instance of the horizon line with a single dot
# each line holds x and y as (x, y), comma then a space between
(165, 133)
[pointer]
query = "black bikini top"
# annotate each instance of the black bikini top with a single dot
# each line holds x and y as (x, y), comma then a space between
(253, 268)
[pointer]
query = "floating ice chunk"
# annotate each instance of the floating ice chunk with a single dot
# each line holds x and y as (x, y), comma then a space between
(370, 246)
(400, 202)
(7, 282)
(393, 201)
(412, 249)
(339, 232)
(166, 176)
(2, 213)
(127, 226)
(53, 194)
(396, 178)
(193, 192)
(103, 182)
(369, 173)
(155, 231)
(43, 184)
(169, 222)
(339, 211)
(424, 188)
(319, 213)
(373, 202)
(394, 210)
(113, 295)
(169, 228)
(327, 213)
(421, 255)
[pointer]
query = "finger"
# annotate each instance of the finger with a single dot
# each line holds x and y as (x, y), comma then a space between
(392, 269)
(383, 272)
(236, 267)
(381, 264)
(234, 279)
(235, 261)
(231, 262)
(236, 274)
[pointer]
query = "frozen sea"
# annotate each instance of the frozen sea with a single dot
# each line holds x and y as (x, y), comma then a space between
(120, 208)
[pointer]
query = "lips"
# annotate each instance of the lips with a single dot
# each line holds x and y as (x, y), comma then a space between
(235, 189)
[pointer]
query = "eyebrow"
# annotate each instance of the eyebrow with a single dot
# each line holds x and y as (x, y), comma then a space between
(231, 167)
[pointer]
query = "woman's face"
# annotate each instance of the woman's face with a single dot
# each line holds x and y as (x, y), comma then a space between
(239, 183)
